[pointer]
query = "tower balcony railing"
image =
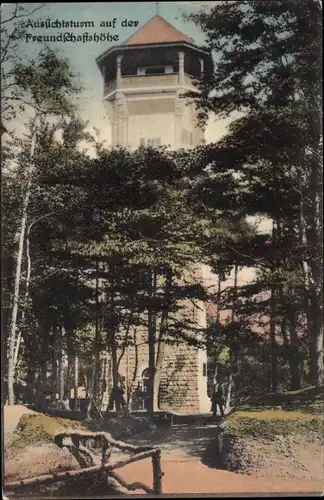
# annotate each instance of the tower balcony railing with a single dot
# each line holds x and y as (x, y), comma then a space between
(138, 81)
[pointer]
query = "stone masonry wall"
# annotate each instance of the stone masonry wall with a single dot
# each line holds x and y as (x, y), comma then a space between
(179, 384)
(183, 386)
(135, 360)
(179, 389)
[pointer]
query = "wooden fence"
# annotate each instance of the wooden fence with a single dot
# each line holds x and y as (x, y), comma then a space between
(79, 444)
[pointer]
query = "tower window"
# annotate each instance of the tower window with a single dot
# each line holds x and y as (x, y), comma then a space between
(155, 70)
(151, 142)
(186, 137)
(204, 369)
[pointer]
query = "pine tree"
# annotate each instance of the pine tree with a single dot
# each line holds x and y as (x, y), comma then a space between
(268, 68)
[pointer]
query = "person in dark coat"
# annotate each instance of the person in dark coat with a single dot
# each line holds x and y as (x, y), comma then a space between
(117, 397)
(218, 398)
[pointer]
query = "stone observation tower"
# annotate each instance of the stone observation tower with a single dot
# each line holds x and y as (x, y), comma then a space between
(143, 82)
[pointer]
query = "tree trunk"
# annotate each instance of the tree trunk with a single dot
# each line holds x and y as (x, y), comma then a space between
(316, 351)
(229, 392)
(86, 385)
(91, 388)
(68, 383)
(104, 377)
(54, 365)
(290, 339)
(61, 365)
(273, 341)
(27, 284)
(95, 373)
(61, 378)
(40, 402)
(126, 339)
(234, 292)
(31, 381)
(215, 372)
(161, 342)
(313, 268)
(112, 343)
(8, 264)
(294, 358)
(76, 382)
(218, 311)
(316, 343)
(114, 362)
(25, 305)
(158, 373)
(14, 315)
(133, 383)
(234, 347)
(96, 387)
(115, 375)
(316, 236)
(316, 309)
(151, 343)
(124, 350)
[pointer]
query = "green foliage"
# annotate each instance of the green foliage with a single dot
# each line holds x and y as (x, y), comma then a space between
(49, 81)
(270, 423)
(242, 34)
(101, 229)
(38, 429)
(44, 83)
(286, 413)
(267, 67)
(224, 355)
(309, 400)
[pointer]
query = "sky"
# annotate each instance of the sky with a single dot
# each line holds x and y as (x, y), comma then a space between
(82, 55)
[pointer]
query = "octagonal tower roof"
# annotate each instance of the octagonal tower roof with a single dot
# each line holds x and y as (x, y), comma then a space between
(156, 33)
(157, 30)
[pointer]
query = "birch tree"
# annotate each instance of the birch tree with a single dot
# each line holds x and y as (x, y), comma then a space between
(48, 83)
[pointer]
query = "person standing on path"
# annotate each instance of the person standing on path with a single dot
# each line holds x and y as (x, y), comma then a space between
(117, 397)
(218, 398)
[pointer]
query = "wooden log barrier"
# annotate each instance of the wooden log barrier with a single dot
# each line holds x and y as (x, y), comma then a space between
(157, 472)
(88, 471)
(77, 443)
(115, 480)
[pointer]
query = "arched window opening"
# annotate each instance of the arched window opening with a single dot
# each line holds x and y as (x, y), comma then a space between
(140, 398)
(145, 380)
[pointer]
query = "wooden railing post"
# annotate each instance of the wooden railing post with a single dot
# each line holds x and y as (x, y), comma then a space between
(73, 442)
(157, 472)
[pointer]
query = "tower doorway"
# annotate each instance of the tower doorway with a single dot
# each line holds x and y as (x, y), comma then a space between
(145, 381)
(140, 401)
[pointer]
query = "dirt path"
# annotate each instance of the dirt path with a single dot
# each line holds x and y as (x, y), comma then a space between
(183, 474)
(188, 439)
(182, 448)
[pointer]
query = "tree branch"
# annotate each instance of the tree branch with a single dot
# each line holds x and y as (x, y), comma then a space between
(18, 16)
(130, 487)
